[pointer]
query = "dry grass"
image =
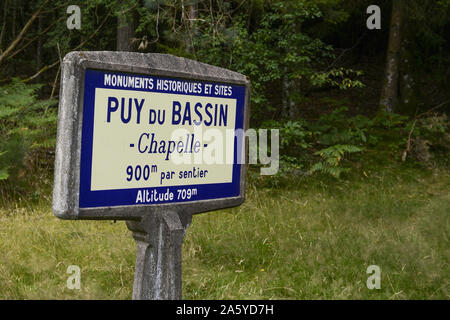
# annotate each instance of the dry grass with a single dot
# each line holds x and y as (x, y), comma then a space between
(308, 240)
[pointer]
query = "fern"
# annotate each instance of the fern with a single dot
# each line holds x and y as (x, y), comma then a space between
(25, 123)
(331, 159)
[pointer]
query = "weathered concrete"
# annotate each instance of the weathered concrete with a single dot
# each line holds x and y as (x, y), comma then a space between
(159, 239)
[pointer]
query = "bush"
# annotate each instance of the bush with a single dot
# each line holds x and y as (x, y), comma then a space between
(26, 124)
(323, 145)
(430, 136)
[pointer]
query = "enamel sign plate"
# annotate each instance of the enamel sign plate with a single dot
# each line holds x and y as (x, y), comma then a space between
(149, 140)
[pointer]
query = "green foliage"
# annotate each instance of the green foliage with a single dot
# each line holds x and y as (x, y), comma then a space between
(288, 50)
(336, 127)
(332, 157)
(294, 134)
(332, 143)
(26, 124)
(430, 137)
(434, 127)
(295, 140)
(94, 13)
(338, 77)
(275, 51)
(337, 135)
(330, 138)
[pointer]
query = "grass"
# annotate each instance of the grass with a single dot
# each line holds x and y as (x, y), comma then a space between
(311, 238)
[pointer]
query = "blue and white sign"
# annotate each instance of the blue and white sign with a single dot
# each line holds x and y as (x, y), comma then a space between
(149, 140)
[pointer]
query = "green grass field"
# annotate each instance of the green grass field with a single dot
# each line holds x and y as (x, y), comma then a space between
(312, 238)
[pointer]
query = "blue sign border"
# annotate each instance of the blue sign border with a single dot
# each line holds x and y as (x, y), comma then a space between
(127, 197)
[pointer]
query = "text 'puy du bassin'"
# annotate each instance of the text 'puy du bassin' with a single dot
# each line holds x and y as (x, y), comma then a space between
(132, 110)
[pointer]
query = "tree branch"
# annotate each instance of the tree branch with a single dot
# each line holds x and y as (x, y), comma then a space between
(22, 32)
(74, 49)
(32, 40)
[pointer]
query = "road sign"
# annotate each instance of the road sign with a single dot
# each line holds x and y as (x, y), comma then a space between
(138, 133)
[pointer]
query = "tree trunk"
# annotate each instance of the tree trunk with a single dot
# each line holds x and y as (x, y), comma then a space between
(2, 33)
(406, 77)
(39, 46)
(191, 27)
(125, 32)
(285, 93)
(290, 86)
(389, 91)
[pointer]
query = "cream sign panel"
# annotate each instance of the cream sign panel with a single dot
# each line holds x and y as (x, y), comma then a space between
(142, 135)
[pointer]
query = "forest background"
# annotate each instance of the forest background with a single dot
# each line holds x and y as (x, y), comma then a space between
(364, 145)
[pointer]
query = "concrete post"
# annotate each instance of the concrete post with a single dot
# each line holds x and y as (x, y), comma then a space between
(159, 239)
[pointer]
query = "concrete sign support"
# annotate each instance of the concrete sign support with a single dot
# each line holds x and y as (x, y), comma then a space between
(159, 241)
(151, 139)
